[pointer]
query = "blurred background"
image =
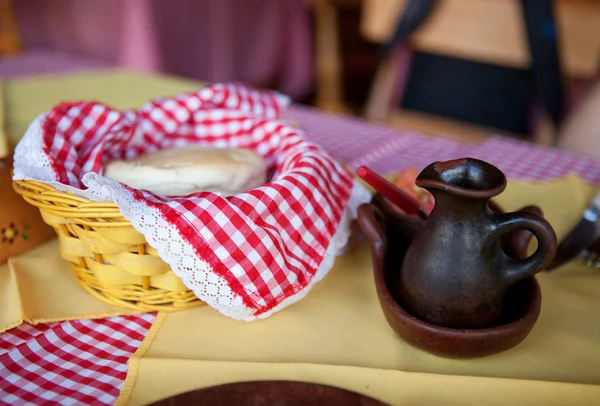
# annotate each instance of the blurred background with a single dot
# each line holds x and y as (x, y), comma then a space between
(466, 69)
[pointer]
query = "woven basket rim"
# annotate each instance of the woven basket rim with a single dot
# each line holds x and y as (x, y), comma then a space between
(69, 205)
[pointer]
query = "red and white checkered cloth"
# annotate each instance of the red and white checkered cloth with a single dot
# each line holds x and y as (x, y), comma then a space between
(82, 362)
(246, 255)
(31, 373)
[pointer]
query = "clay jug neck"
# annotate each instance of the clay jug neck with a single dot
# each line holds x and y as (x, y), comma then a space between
(448, 204)
(470, 180)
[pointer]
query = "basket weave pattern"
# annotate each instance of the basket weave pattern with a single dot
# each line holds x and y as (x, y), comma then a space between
(108, 257)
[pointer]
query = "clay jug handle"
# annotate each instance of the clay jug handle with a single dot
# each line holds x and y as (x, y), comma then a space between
(518, 269)
(372, 222)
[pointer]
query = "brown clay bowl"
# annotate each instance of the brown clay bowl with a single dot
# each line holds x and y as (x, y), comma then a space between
(390, 234)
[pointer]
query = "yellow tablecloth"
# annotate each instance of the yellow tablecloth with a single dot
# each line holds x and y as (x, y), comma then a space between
(337, 334)
(37, 287)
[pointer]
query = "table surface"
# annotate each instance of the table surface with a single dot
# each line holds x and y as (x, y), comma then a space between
(85, 361)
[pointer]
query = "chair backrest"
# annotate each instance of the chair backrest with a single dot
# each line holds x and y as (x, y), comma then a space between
(492, 31)
(10, 41)
(487, 31)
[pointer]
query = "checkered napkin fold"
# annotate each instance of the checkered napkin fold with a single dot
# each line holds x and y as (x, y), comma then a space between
(247, 255)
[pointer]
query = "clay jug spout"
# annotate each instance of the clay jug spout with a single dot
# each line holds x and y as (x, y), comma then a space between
(466, 177)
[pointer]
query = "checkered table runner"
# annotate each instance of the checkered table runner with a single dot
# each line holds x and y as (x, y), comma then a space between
(85, 362)
(70, 363)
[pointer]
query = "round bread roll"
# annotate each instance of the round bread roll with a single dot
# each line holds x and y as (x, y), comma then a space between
(181, 171)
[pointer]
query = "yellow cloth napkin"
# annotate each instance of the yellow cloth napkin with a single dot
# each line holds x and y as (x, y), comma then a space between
(38, 287)
(163, 377)
(338, 335)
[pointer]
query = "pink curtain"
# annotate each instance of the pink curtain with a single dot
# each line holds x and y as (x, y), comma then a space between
(261, 42)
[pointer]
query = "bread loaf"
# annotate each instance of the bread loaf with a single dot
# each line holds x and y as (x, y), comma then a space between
(182, 171)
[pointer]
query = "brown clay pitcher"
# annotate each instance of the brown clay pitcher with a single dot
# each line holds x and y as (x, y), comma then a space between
(455, 273)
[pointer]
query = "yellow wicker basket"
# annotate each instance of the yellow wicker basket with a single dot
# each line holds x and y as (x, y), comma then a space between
(108, 257)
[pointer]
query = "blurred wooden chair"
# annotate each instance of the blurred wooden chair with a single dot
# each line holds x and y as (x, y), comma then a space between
(328, 59)
(10, 41)
(490, 31)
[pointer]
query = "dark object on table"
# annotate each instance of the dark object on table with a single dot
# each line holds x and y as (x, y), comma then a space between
(387, 229)
(581, 237)
(455, 273)
(271, 393)
(591, 255)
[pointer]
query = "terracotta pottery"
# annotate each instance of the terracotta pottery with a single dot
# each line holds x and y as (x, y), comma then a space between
(390, 236)
(455, 273)
(271, 393)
